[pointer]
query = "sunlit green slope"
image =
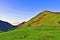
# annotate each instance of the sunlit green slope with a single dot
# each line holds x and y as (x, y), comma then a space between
(45, 18)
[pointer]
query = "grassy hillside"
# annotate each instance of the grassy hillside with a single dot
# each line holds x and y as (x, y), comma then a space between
(44, 26)
(41, 33)
(45, 18)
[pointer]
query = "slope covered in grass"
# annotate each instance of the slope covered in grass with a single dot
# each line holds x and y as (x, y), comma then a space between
(39, 33)
(44, 26)
(45, 18)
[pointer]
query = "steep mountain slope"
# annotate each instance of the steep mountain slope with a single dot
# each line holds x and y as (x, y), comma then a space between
(45, 18)
(21, 23)
(5, 26)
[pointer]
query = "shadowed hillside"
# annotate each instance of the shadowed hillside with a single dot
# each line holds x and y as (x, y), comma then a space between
(5, 26)
(45, 18)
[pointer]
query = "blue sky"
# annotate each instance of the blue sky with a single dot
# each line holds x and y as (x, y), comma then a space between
(23, 10)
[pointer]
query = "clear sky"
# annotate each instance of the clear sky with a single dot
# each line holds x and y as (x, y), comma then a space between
(23, 10)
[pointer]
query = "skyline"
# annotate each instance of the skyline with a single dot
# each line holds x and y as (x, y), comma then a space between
(23, 10)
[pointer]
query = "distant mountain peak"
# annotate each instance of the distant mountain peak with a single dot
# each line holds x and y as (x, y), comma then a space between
(5, 26)
(3, 21)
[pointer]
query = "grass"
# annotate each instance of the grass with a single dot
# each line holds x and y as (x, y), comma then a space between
(40, 33)
(45, 18)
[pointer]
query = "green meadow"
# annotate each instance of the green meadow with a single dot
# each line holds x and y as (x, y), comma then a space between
(40, 33)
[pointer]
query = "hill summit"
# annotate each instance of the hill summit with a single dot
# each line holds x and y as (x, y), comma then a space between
(45, 18)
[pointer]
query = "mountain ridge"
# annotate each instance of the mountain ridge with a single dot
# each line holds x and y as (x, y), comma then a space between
(46, 16)
(5, 26)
